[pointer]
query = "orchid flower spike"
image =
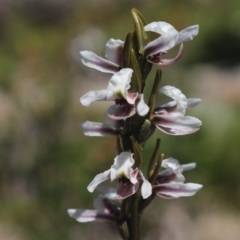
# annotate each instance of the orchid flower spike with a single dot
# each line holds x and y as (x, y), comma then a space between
(169, 38)
(129, 179)
(170, 118)
(113, 54)
(170, 182)
(117, 90)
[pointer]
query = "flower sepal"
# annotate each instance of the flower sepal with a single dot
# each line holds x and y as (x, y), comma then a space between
(170, 182)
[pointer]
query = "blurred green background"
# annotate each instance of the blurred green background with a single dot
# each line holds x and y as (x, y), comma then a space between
(45, 161)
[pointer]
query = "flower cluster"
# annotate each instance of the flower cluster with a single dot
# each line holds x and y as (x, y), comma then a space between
(168, 184)
(132, 121)
(169, 118)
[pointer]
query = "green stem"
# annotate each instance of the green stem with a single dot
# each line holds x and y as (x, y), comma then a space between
(135, 219)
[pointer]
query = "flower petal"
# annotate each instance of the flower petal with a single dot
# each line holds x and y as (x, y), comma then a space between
(192, 102)
(133, 176)
(131, 97)
(189, 166)
(119, 84)
(101, 177)
(82, 215)
(166, 176)
(146, 188)
(113, 51)
(110, 122)
(188, 34)
(104, 205)
(122, 166)
(160, 28)
(177, 132)
(176, 189)
(166, 62)
(92, 60)
(171, 163)
(166, 108)
(161, 44)
(96, 129)
(109, 193)
(123, 112)
(176, 94)
(93, 96)
(126, 189)
(176, 124)
(142, 107)
(173, 170)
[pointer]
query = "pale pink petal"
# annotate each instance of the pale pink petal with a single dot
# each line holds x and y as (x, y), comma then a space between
(177, 132)
(177, 124)
(169, 38)
(165, 176)
(113, 123)
(101, 177)
(114, 50)
(104, 205)
(160, 28)
(92, 60)
(176, 94)
(180, 99)
(166, 62)
(171, 163)
(142, 107)
(189, 166)
(187, 34)
(123, 112)
(131, 97)
(176, 189)
(146, 188)
(176, 120)
(108, 192)
(119, 84)
(192, 102)
(161, 44)
(110, 122)
(82, 215)
(96, 129)
(125, 189)
(98, 204)
(93, 96)
(122, 166)
(166, 108)
(173, 171)
(133, 176)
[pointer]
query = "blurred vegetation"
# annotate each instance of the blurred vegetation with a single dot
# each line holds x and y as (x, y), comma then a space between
(45, 161)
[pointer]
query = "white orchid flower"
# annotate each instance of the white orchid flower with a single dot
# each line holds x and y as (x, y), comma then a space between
(170, 118)
(110, 128)
(129, 179)
(117, 90)
(153, 51)
(113, 54)
(169, 38)
(105, 210)
(170, 182)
